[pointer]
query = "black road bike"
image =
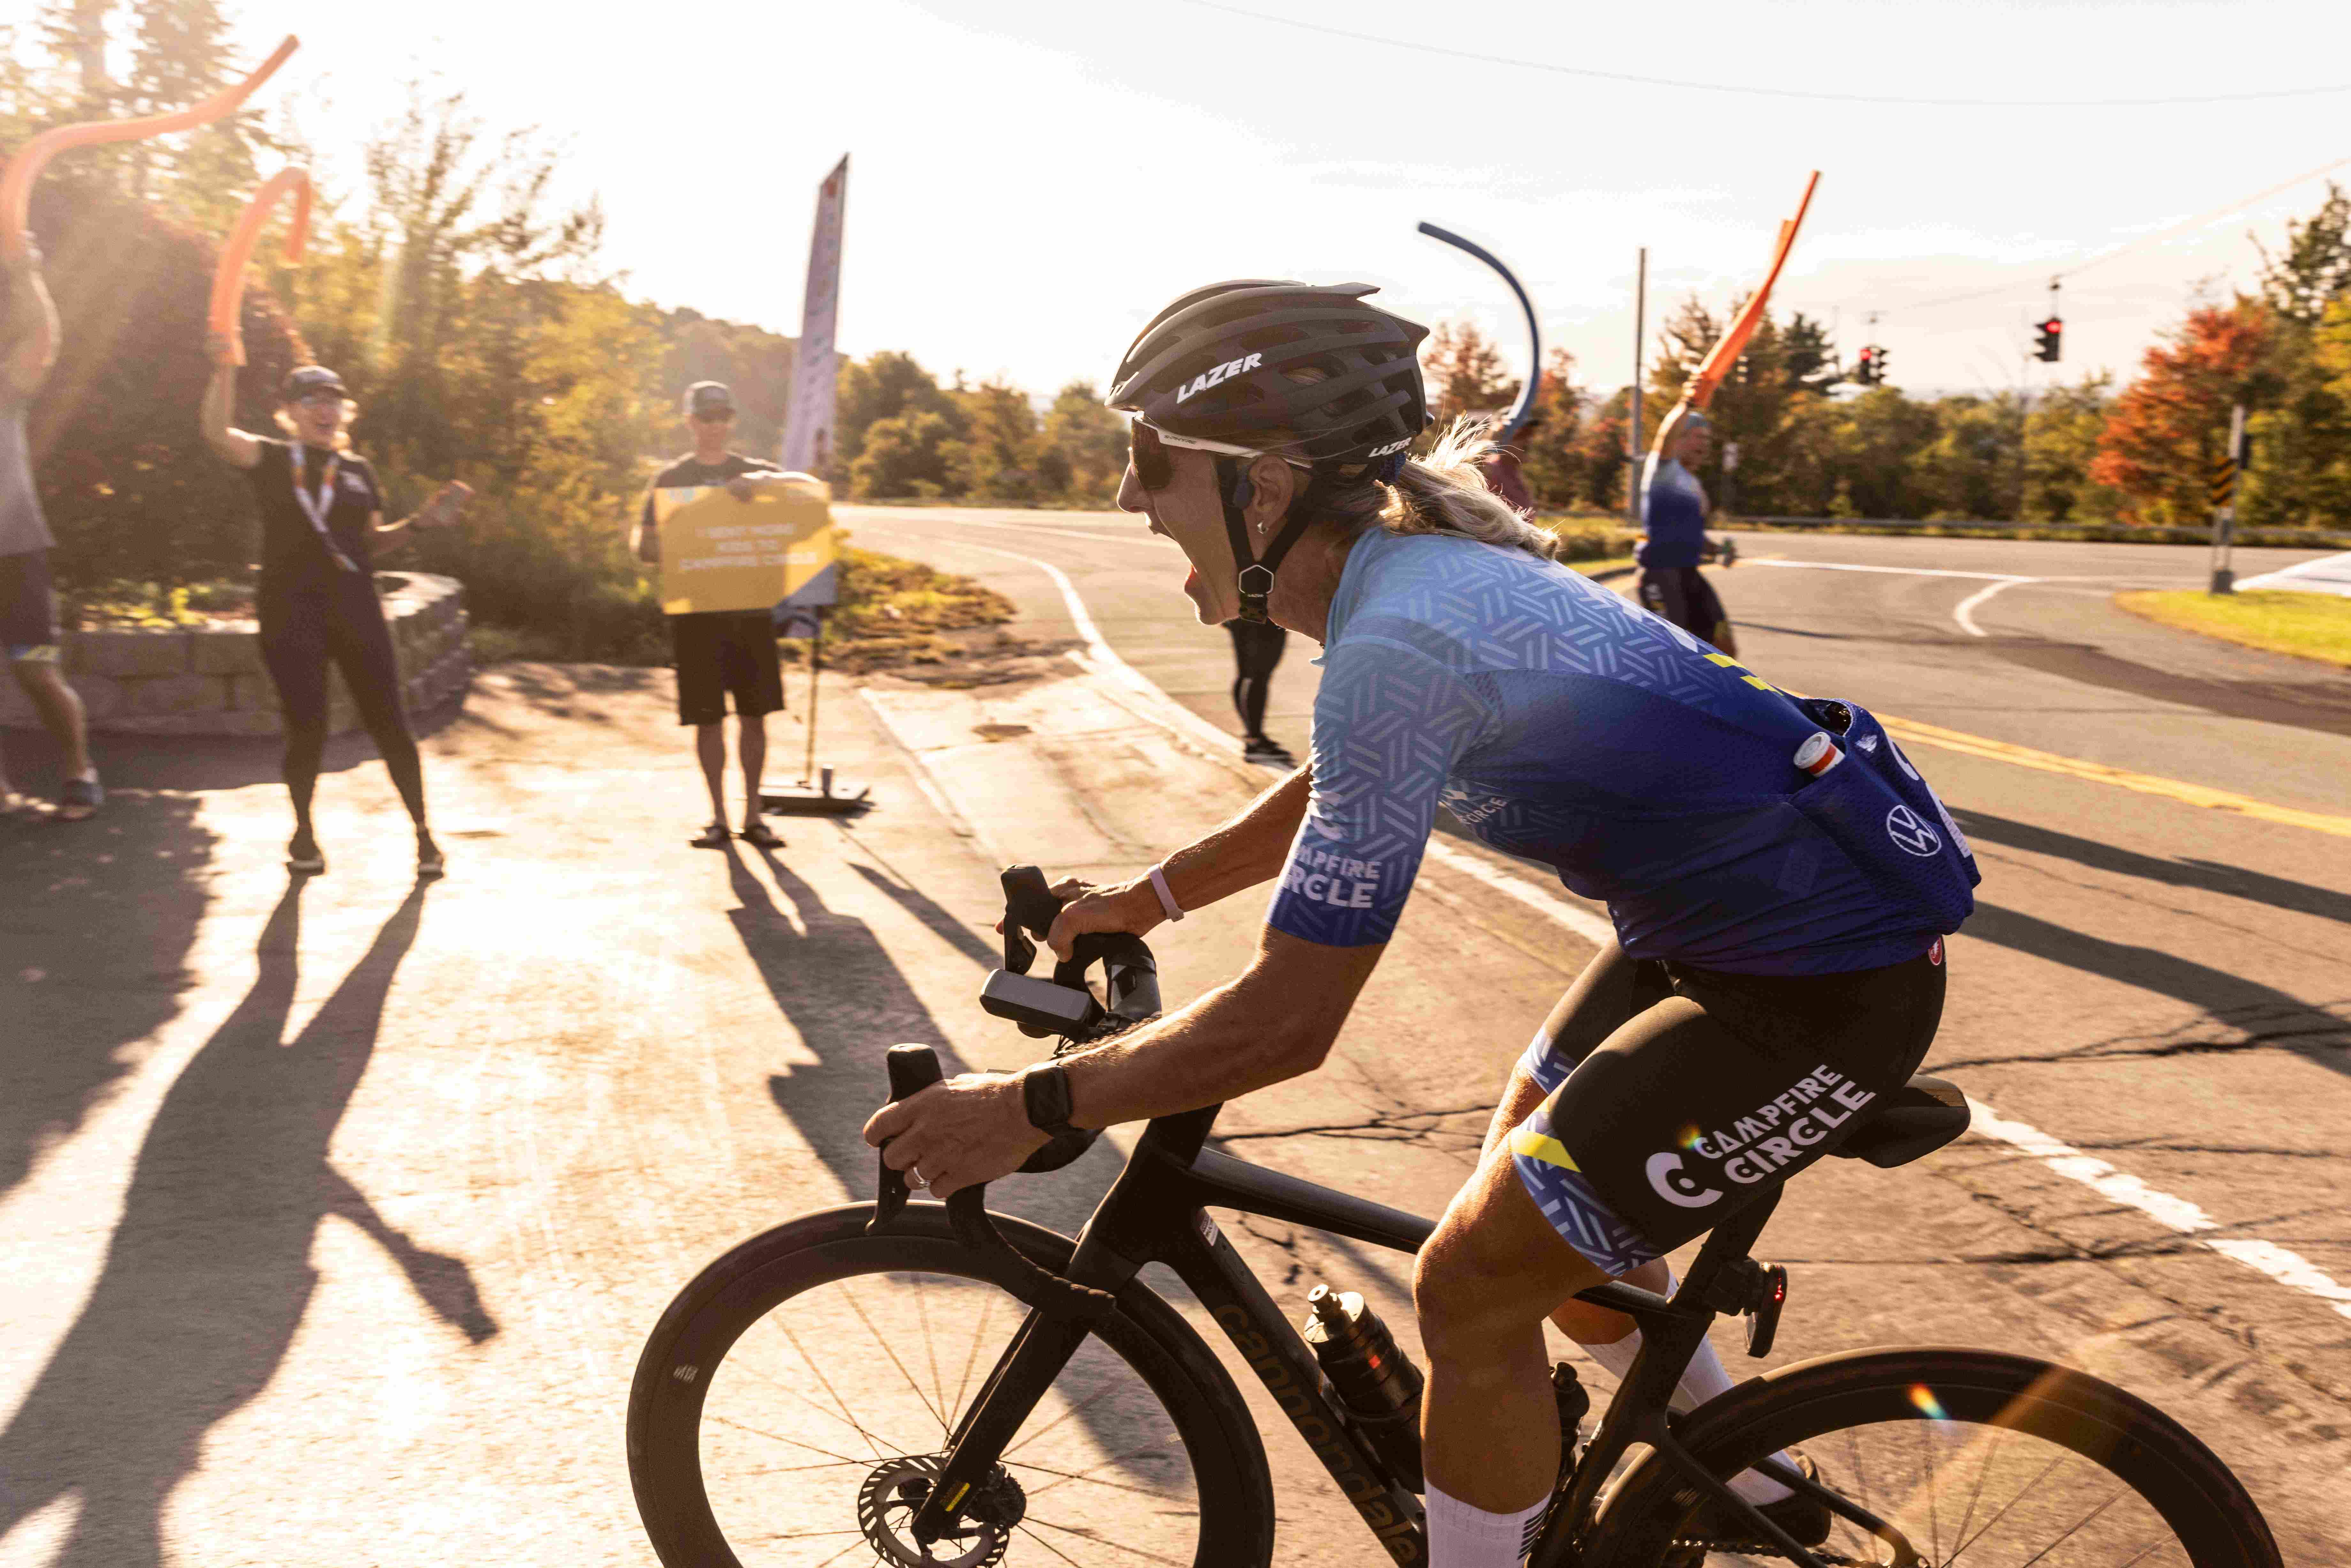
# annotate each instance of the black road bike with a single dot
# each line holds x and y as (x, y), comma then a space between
(931, 1385)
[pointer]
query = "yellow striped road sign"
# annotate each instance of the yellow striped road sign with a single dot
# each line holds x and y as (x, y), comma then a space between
(2224, 481)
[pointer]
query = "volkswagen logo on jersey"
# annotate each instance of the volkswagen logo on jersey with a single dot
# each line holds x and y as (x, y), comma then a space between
(1911, 835)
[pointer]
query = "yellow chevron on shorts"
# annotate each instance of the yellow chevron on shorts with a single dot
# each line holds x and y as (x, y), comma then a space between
(1912, 732)
(1541, 1146)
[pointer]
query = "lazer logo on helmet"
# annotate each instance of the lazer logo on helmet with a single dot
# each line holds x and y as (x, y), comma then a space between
(1202, 383)
(1393, 446)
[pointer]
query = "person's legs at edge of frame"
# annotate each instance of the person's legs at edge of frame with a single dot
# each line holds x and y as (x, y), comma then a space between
(30, 640)
(360, 645)
(1256, 651)
(754, 680)
(294, 652)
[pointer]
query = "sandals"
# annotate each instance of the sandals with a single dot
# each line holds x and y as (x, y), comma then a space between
(430, 862)
(758, 835)
(79, 799)
(712, 837)
(303, 857)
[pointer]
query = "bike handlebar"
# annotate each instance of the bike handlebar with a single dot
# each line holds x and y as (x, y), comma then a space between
(912, 1069)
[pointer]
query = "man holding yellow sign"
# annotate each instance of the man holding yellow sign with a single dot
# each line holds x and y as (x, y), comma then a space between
(733, 535)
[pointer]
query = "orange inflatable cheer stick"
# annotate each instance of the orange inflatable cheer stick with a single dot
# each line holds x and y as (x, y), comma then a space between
(1725, 354)
(16, 184)
(229, 280)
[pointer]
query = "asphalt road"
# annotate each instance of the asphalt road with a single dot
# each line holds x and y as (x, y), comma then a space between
(332, 1215)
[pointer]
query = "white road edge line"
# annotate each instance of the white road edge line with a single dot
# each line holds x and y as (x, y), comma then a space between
(2287, 1268)
(1965, 612)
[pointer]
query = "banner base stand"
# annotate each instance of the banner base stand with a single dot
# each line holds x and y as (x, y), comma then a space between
(826, 797)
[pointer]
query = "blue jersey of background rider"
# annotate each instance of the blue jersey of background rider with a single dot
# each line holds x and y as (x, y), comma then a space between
(1559, 722)
(1673, 515)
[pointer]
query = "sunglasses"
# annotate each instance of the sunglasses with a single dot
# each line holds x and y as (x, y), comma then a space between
(1148, 450)
(716, 416)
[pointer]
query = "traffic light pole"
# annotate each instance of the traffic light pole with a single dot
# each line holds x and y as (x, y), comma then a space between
(2224, 503)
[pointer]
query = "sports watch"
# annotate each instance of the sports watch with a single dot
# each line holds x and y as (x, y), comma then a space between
(1045, 1091)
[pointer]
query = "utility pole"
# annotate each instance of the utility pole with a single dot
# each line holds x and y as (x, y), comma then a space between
(1640, 327)
(2224, 503)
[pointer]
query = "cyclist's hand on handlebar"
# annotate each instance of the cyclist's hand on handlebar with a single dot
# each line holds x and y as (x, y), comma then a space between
(1129, 906)
(971, 1129)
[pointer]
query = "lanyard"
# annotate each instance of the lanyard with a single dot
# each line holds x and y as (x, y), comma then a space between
(317, 510)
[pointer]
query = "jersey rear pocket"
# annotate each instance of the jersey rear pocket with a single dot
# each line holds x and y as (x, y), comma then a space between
(1906, 846)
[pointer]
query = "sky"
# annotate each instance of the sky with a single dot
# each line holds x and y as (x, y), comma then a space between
(1030, 180)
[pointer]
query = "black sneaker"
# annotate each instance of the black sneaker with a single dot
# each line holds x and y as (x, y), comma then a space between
(1267, 751)
(303, 857)
(1802, 1516)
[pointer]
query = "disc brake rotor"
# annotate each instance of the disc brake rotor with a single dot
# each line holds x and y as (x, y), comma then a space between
(895, 1491)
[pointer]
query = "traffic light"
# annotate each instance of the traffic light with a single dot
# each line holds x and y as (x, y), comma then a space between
(1865, 369)
(1878, 363)
(2046, 338)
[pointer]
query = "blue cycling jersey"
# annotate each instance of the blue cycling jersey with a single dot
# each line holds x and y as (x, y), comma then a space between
(1558, 722)
(1673, 515)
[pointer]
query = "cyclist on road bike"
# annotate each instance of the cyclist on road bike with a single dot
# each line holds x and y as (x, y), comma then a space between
(1673, 546)
(1779, 959)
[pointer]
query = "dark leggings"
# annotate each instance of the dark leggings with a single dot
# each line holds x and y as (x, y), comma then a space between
(300, 632)
(1257, 649)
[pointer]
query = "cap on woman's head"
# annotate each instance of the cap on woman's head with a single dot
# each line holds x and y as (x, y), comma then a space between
(303, 380)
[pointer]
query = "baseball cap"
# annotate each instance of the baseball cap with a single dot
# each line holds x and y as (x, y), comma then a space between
(705, 397)
(309, 379)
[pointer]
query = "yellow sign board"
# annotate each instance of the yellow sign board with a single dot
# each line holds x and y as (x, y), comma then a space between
(719, 553)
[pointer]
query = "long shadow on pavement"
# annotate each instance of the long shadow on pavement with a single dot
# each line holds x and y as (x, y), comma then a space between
(209, 1274)
(2277, 892)
(2267, 1017)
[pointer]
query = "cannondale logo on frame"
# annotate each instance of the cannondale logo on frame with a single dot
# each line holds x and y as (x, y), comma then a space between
(1909, 834)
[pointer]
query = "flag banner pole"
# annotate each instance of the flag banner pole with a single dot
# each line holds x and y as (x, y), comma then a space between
(1516, 420)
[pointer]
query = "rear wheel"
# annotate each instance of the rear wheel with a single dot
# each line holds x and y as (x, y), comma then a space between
(1986, 1461)
(793, 1403)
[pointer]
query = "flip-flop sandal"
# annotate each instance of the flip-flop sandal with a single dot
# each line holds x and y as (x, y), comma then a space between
(430, 863)
(79, 799)
(758, 835)
(712, 837)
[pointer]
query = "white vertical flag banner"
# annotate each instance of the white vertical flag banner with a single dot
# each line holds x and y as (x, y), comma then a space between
(808, 432)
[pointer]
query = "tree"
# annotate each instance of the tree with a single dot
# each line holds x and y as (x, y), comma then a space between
(1464, 372)
(998, 460)
(1083, 445)
(905, 456)
(885, 386)
(2166, 429)
(2060, 442)
(1556, 464)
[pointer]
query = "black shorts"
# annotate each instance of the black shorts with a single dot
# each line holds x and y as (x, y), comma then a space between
(1678, 1095)
(1682, 595)
(28, 609)
(723, 652)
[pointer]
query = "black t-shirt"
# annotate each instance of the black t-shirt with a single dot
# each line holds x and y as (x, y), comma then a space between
(691, 470)
(293, 556)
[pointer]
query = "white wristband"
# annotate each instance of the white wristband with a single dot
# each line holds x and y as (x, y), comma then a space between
(1166, 899)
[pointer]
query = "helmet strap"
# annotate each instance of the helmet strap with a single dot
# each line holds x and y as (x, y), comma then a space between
(1256, 571)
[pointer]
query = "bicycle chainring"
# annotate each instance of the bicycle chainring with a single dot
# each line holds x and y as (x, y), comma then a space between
(894, 1493)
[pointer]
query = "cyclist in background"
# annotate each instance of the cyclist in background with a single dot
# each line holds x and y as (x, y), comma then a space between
(1776, 967)
(1257, 650)
(321, 520)
(1674, 511)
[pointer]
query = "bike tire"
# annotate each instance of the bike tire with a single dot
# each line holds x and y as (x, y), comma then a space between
(686, 1348)
(2214, 1521)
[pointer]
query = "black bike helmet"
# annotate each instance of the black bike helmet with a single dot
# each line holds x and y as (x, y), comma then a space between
(1311, 373)
(1261, 367)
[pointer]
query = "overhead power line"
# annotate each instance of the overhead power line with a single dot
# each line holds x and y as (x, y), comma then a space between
(1752, 91)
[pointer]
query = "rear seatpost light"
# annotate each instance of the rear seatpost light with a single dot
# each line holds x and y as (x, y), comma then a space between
(1818, 754)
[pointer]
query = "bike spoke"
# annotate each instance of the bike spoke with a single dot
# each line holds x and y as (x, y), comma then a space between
(1104, 1540)
(1934, 1519)
(826, 1384)
(1088, 1476)
(859, 1308)
(931, 1348)
(2119, 1494)
(979, 1337)
(2012, 1502)
(1984, 1473)
(1047, 1545)
(784, 1388)
(794, 1442)
(1057, 1420)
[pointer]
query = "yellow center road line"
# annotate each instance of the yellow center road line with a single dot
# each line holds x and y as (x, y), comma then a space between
(1911, 732)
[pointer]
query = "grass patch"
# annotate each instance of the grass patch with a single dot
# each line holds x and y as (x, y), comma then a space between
(896, 614)
(2307, 625)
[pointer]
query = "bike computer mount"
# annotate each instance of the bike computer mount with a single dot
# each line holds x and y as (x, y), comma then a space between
(1063, 1005)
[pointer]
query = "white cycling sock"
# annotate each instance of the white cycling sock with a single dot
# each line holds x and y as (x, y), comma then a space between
(1460, 1536)
(1701, 1381)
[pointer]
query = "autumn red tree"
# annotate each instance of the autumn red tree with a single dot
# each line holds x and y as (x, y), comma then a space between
(2159, 442)
(1464, 372)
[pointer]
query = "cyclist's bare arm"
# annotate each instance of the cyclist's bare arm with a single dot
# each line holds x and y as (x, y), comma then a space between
(238, 448)
(1238, 854)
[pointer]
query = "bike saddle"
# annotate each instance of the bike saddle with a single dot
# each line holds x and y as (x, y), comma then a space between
(1909, 1124)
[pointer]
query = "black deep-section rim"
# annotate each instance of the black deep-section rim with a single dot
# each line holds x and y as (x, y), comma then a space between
(2208, 1510)
(701, 1325)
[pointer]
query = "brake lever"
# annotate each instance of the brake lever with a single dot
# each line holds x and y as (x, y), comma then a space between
(912, 1069)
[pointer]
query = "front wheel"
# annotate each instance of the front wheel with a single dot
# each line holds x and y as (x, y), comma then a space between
(1969, 1457)
(793, 1403)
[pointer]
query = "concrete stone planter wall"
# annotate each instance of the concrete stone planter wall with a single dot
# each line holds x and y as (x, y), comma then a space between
(212, 682)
